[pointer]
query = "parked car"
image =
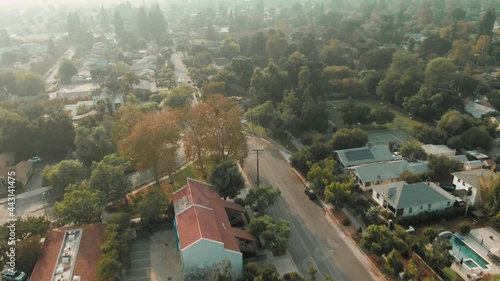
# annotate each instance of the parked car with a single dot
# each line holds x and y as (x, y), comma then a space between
(35, 159)
(309, 192)
(14, 275)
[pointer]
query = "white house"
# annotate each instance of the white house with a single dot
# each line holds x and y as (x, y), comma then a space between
(203, 231)
(363, 155)
(405, 200)
(470, 183)
(379, 173)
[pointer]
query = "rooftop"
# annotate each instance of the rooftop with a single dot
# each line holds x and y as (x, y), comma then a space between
(77, 254)
(200, 213)
(403, 195)
(473, 177)
(477, 110)
(433, 149)
(387, 170)
(477, 155)
(364, 155)
(459, 158)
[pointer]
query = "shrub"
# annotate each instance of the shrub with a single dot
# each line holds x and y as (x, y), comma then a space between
(464, 228)
(240, 201)
(346, 222)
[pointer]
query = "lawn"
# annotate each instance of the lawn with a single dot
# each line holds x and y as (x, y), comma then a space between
(402, 120)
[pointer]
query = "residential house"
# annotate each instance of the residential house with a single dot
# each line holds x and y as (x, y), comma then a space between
(71, 109)
(71, 253)
(472, 165)
(23, 170)
(477, 110)
(116, 99)
(145, 87)
(438, 150)
(477, 155)
(369, 175)
(406, 200)
(76, 91)
(460, 158)
(202, 226)
(468, 184)
(363, 155)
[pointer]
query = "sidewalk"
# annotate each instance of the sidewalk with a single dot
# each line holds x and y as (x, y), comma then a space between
(354, 220)
(27, 194)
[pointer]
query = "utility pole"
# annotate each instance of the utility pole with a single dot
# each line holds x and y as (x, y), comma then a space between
(257, 151)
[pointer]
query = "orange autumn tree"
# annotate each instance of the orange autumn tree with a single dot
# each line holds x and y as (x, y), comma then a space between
(153, 142)
(213, 130)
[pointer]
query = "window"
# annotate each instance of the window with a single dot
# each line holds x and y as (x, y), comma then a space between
(458, 180)
(448, 203)
(422, 207)
(429, 206)
(410, 210)
(378, 195)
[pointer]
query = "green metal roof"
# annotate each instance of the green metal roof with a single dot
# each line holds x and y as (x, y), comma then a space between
(403, 195)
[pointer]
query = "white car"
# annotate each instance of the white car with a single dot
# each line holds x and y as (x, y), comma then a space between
(179, 80)
(35, 159)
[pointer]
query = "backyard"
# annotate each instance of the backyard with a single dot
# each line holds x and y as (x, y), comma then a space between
(402, 120)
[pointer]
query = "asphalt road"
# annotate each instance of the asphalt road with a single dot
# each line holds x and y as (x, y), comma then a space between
(314, 239)
(182, 73)
(51, 74)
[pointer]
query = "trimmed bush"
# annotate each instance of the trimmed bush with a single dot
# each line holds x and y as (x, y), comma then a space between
(464, 228)
(346, 222)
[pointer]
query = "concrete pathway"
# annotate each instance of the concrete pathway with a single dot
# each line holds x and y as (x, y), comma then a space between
(354, 219)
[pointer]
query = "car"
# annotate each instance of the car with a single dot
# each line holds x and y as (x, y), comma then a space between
(14, 275)
(179, 80)
(35, 159)
(309, 192)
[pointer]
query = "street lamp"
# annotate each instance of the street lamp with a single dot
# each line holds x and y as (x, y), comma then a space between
(44, 207)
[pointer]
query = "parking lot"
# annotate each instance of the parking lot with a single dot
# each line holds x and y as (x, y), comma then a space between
(154, 257)
(383, 137)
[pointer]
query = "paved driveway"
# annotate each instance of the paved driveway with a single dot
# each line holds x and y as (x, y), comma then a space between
(140, 260)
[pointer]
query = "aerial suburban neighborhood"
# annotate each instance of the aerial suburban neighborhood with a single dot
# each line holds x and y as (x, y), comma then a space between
(249, 140)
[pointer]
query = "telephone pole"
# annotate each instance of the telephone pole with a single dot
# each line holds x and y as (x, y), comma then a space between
(257, 151)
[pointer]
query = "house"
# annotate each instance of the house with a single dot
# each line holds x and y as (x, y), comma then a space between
(70, 254)
(379, 173)
(477, 110)
(72, 109)
(477, 155)
(363, 155)
(202, 226)
(459, 158)
(438, 150)
(116, 99)
(76, 91)
(145, 87)
(472, 165)
(468, 184)
(406, 200)
(23, 170)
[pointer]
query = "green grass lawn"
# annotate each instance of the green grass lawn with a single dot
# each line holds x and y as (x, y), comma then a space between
(402, 120)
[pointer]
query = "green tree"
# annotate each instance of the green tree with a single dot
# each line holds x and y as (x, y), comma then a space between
(152, 206)
(28, 252)
(212, 88)
(80, 205)
(477, 137)
(227, 179)
(261, 115)
(349, 138)
(108, 177)
(339, 193)
(177, 99)
(455, 123)
(28, 84)
(382, 115)
(16, 134)
(440, 72)
(354, 113)
(275, 234)
(464, 228)
(143, 27)
(410, 177)
(268, 84)
(487, 22)
(262, 197)
(243, 67)
(443, 165)
(92, 144)
(394, 262)
(321, 174)
(63, 174)
(413, 151)
(312, 271)
(229, 48)
(109, 268)
(379, 235)
(67, 69)
(118, 23)
(276, 45)
(8, 81)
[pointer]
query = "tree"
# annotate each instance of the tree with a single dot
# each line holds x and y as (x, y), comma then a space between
(379, 239)
(274, 234)
(8, 82)
(262, 197)
(16, 134)
(275, 45)
(28, 84)
(440, 72)
(268, 84)
(354, 113)
(118, 23)
(177, 99)
(410, 177)
(109, 267)
(63, 174)
(212, 88)
(394, 262)
(413, 151)
(108, 177)
(464, 228)
(458, 13)
(227, 179)
(376, 59)
(321, 174)
(349, 138)
(153, 142)
(442, 165)
(143, 22)
(28, 252)
(67, 69)
(229, 48)
(243, 67)
(487, 22)
(434, 45)
(477, 137)
(262, 115)
(104, 18)
(339, 193)
(312, 271)
(382, 115)
(157, 22)
(152, 206)
(80, 205)
(455, 123)
(128, 80)
(92, 144)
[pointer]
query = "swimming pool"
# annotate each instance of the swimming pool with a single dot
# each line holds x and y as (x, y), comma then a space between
(470, 257)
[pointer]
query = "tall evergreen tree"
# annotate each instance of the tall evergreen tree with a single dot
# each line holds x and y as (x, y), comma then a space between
(143, 25)
(104, 18)
(118, 23)
(158, 24)
(487, 22)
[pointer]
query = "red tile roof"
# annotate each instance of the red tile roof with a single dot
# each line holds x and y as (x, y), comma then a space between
(87, 259)
(201, 213)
